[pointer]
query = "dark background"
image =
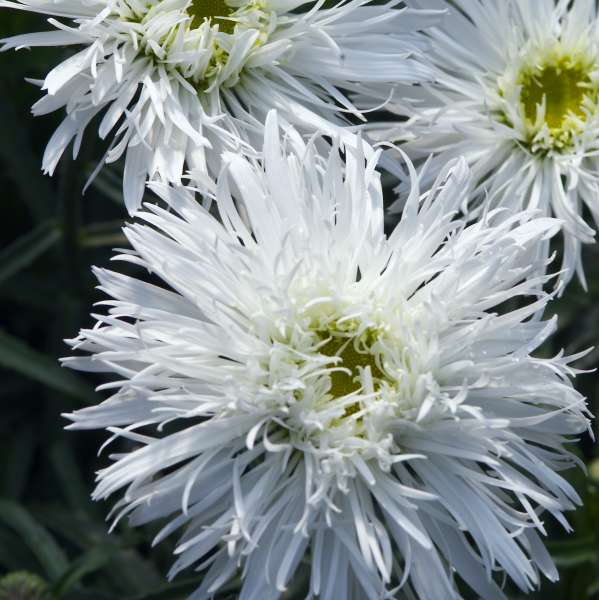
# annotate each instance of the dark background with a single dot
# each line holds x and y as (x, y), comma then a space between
(52, 536)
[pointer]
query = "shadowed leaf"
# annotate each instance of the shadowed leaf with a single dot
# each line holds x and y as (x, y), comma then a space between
(22, 252)
(35, 537)
(16, 355)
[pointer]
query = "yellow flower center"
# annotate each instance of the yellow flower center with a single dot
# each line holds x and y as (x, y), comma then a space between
(562, 85)
(355, 355)
(211, 10)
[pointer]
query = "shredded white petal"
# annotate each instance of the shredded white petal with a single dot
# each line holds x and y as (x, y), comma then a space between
(517, 95)
(177, 82)
(305, 384)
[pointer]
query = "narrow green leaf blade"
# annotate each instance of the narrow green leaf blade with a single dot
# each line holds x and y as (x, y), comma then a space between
(173, 591)
(14, 555)
(39, 541)
(575, 552)
(16, 355)
(68, 476)
(21, 253)
(91, 561)
(17, 457)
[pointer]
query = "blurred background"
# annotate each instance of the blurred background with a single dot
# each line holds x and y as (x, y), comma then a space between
(54, 541)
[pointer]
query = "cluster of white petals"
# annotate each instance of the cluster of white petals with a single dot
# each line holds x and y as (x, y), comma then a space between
(177, 82)
(304, 398)
(516, 95)
(302, 385)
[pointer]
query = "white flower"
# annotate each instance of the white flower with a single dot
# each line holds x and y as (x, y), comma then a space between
(518, 97)
(307, 386)
(178, 81)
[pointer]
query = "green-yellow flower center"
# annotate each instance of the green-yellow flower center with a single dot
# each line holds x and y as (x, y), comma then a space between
(355, 356)
(563, 86)
(211, 10)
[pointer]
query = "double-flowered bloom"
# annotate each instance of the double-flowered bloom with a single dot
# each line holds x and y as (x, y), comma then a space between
(298, 395)
(177, 82)
(517, 95)
(304, 386)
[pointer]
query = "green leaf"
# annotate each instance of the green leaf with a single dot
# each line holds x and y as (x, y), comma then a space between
(572, 553)
(71, 484)
(22, 585)
(30, 293)
(110, 185)
(91, 561)
(128, 570)
(593, 588)
(593, 467)
(134, 574)
(80, 594)
(16, 355)
(14, 555)
(75, 526)
(25, 250)
(35, 537)
(22, 163)
(17, 454)
(174, 591)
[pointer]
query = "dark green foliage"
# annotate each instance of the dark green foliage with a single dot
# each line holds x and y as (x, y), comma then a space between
(21, 585)
(50, 235)
(50, 531)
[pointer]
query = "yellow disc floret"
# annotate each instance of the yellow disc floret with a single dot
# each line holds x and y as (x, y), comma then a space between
(562, 86)
(355, 354)
(211, 10)
(558, 93)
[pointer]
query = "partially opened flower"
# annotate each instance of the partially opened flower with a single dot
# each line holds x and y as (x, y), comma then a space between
(178, 81)
(517, 96)
(305, 387)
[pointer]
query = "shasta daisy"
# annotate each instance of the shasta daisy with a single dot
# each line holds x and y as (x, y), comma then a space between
(304, 386)
(517, 94)
(176, 82)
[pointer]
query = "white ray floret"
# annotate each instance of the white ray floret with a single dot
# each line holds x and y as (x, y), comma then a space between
(178, 81)
(306, 387)
(517, 95)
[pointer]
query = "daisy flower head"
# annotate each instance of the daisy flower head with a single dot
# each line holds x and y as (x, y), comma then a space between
(177, 82)
(308, 394)
(517, 94)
